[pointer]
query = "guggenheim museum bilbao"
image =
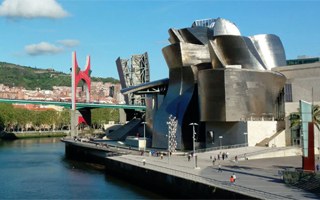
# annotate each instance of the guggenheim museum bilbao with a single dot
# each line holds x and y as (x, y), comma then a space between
(222, 81)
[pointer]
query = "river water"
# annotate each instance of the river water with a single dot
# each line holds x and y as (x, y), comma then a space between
(38, 169)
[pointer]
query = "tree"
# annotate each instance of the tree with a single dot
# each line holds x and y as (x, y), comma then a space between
(50, 118)
(21, 117)
(7, 114)
(63, 118)
(100, 116)
(295, 118)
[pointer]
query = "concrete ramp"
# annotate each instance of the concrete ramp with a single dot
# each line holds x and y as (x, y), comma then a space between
(129, 129)
(267, 140)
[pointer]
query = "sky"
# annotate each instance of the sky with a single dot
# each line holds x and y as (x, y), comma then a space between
(44, 33)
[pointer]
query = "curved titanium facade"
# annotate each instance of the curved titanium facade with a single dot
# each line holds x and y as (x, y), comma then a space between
(225, 27)
(232, 50)
(270, 49)
(237, 95)
(216, 75)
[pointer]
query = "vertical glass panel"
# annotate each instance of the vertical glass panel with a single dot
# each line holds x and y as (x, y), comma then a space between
(305, 114)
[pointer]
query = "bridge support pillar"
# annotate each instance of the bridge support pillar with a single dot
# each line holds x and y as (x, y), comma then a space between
(123, 116)
(75, 114)
(73, 123)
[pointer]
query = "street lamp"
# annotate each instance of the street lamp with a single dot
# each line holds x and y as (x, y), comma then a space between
(144, 137)
(194, 138)
(220, 137)
(245, 140)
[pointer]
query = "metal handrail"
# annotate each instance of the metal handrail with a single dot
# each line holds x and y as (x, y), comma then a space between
(222, 147)
(205, 180)
(267, 150)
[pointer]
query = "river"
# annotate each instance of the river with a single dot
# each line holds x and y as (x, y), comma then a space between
(38, 169)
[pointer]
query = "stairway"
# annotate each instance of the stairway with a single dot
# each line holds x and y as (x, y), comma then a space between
(129, 129)
(267, 140)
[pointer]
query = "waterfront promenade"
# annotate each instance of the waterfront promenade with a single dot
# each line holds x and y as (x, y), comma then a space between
(255, 178)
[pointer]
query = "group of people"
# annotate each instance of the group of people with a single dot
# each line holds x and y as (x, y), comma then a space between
(155, 153)
(223, 156)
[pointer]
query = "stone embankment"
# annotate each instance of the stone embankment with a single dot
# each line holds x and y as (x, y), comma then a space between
(31, 134)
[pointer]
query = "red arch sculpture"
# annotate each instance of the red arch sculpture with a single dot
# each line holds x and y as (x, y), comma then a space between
(78, 75)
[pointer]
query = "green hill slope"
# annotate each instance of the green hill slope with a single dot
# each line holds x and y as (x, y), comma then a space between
(31, 78)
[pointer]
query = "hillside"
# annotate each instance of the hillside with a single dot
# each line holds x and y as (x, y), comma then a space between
(31, 78)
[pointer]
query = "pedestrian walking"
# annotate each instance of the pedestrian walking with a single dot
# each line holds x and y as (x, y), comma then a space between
(219, 170)
(215, 158)
(223, 156)
(231, 179)
(236, 158)
(144, 161)
(234, 177)
(280, 174)
(218, 157)
(213, 164)
(227, 154)
(317, 167)
(161, 156)
(189, 156)
(211, 158)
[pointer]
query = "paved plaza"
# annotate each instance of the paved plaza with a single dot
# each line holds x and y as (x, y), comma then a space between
(261, 175)
(257, 178)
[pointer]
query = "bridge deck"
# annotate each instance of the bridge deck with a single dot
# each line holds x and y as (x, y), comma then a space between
(78, 105)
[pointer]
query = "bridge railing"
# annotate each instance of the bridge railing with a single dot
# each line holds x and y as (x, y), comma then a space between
(226, 185)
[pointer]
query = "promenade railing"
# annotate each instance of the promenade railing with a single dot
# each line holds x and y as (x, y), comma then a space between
(221, 147)
(226, 185)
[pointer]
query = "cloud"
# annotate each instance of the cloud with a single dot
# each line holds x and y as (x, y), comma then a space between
(32, 9)
(42, 48)
(69, 43)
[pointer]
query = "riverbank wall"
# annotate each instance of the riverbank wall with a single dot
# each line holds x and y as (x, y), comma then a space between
(166, 184)
(30, 134)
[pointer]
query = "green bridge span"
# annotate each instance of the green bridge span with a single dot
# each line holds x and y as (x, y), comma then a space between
(78, 105)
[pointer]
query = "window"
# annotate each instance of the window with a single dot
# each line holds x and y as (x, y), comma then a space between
(288, 92)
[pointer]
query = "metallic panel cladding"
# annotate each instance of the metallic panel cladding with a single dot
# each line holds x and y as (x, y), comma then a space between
(270, 49)
(176, 102)
(185, 54)
(216, 75)
(238, 95)
(225, 27)
(122, 65)
(232, 50)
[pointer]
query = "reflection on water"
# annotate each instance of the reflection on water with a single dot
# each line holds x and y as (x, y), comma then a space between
(37, 169)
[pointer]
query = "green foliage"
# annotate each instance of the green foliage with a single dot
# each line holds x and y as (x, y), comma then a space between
(63, 118)
(100, 116)
(18, 118)
(295, 118)
(31, 78)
